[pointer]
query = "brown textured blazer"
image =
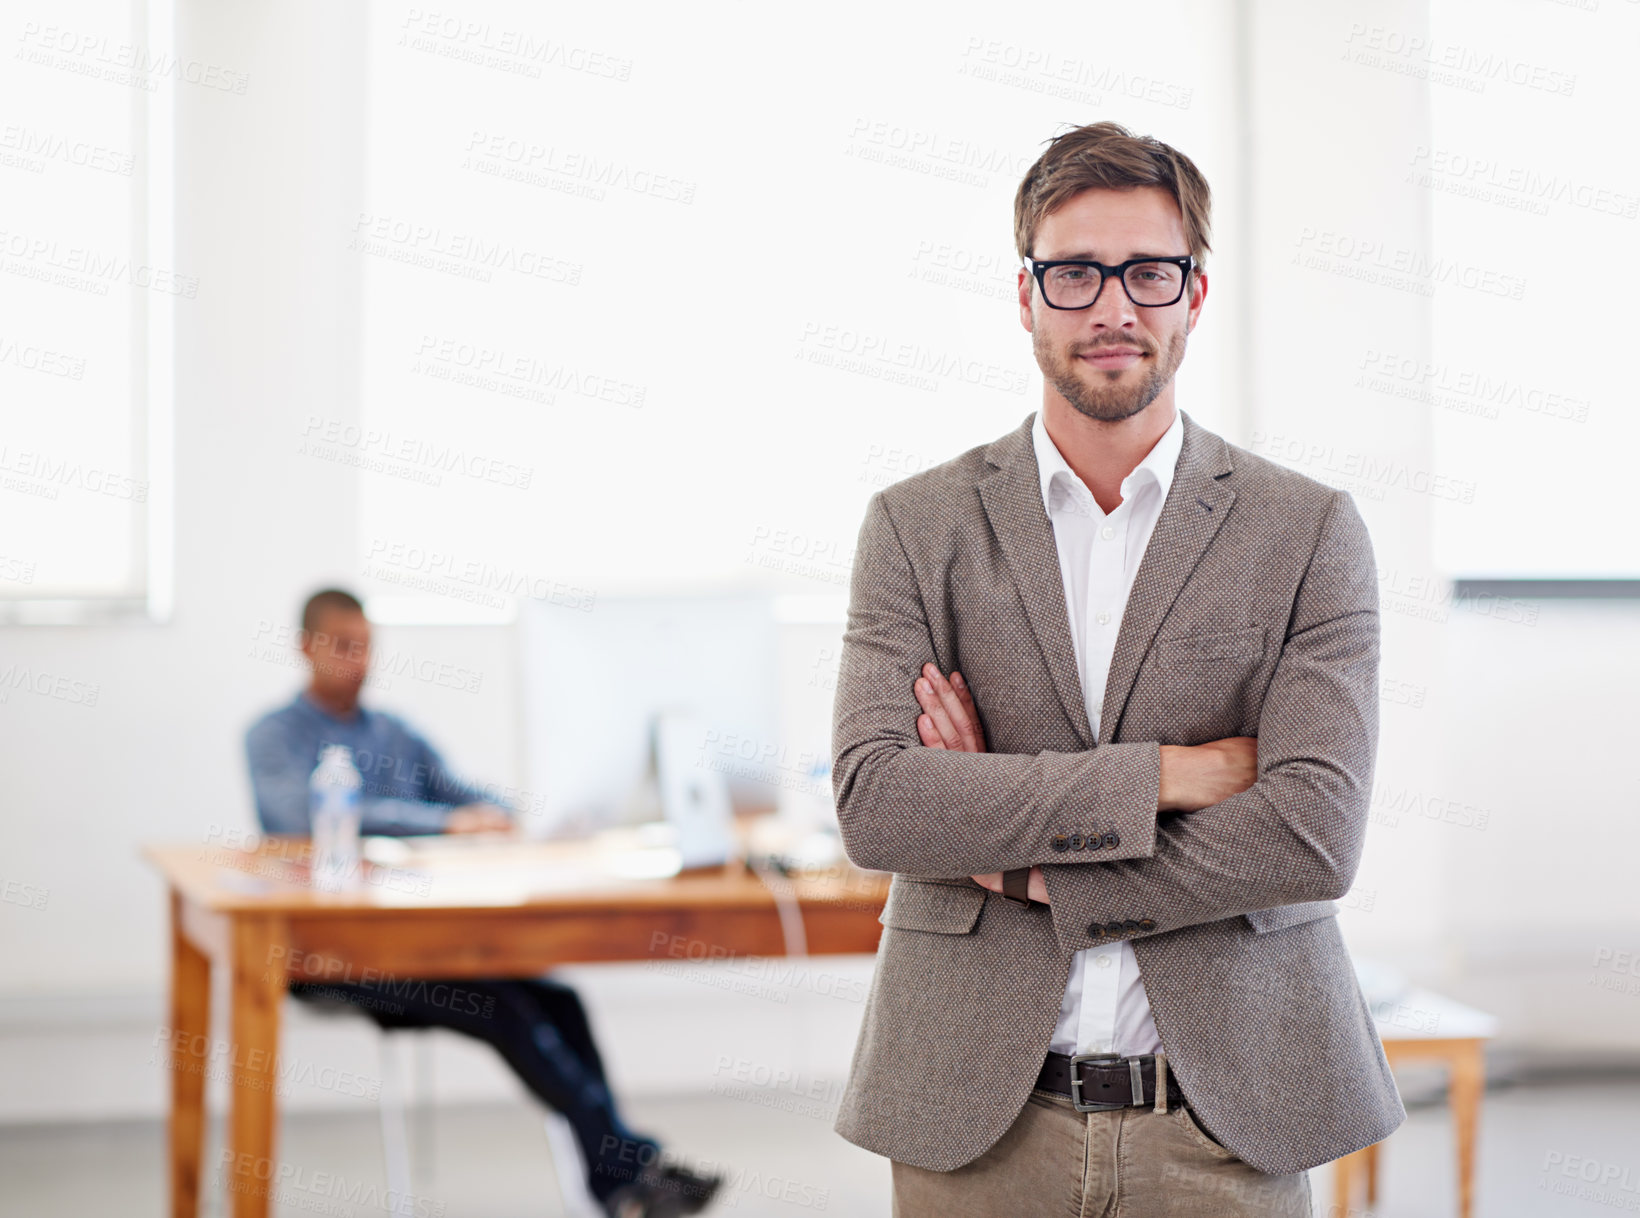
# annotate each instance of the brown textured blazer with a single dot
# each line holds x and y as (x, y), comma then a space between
(1253, 613)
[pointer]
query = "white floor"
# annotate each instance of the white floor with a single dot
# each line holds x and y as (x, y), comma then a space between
(491, 1162)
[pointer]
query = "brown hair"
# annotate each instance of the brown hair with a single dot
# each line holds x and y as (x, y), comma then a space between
(1108, 156)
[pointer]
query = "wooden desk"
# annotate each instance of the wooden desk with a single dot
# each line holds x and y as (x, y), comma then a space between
(1424, 1026)
(517, 912)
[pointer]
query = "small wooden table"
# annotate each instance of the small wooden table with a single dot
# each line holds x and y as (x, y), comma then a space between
(1421, 1026)
(465, 909)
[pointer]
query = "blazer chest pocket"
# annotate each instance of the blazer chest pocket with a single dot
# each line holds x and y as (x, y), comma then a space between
(948, 909)
(1223, 646)
(1282, 916)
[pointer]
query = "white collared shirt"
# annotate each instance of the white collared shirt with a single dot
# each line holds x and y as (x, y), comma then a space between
(1105, 1009)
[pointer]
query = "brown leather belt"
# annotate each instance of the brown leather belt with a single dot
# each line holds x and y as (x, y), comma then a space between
(1106, 1081)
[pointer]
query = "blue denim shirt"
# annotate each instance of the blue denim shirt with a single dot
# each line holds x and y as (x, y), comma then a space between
(407, 788)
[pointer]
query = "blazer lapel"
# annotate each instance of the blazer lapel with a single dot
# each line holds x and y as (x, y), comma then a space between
(1012, 495)
(1197, 503)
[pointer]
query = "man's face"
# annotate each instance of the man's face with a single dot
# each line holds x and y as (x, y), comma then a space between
(338, 648)
(1114, 358)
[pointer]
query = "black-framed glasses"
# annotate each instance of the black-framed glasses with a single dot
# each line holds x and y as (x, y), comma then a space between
(1075, 283)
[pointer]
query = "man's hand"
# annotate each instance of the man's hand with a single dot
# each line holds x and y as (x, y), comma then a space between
(478, 818)
(1036, 890)
(1197, 776)
(951, 721)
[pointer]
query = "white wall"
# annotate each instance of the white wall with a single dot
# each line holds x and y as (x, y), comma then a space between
(1519, 721)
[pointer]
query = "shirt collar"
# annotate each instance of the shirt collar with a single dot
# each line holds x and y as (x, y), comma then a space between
(305, 700)
(1157, 466)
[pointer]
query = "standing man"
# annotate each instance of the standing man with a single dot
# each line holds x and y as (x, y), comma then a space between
(538, 1025)
(1146, 666)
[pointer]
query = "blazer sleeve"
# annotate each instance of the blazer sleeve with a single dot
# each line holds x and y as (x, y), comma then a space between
(1295, 835)
(934, 813)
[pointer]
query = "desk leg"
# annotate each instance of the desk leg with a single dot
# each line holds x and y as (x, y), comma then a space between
(258, 989)
(1468, 1081)
(190, 1030)
(1345, 1173)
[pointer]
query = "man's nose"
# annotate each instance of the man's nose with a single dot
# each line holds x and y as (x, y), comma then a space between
(1112, 307)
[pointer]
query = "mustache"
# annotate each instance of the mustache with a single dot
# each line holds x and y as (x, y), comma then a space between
(1142, 348)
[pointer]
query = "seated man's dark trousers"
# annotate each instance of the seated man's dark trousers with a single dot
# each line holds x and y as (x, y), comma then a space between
(540, 1028)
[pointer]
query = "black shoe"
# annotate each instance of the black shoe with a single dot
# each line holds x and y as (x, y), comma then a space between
(662, 1190)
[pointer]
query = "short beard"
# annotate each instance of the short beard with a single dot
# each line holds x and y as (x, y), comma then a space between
(1102, 402)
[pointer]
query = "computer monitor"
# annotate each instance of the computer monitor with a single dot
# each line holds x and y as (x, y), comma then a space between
(597, 684)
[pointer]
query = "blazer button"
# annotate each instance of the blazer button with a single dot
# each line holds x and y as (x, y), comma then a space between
(1116, 928)
(1076, 841)
(1097, 930)
(1131, 924)
(1061, 842)
(1112, 840)
(1147, 924)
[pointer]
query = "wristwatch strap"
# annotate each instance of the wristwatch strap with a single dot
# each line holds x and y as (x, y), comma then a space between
(1016, 885)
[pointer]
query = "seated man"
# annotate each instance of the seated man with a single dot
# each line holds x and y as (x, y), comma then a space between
(538, 1025)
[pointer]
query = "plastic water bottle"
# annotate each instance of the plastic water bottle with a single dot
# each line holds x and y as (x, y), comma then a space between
(333, 804)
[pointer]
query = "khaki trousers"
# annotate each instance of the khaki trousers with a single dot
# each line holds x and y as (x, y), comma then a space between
(1056, 1162)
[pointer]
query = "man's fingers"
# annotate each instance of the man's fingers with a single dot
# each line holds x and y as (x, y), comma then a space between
(939, 712)
(929, 733)
(966, 733)
(966, 697)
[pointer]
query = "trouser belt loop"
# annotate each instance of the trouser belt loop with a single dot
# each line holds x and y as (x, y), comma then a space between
(1161, 1081)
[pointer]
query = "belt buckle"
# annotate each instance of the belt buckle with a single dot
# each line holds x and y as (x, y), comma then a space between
(1076, 1081)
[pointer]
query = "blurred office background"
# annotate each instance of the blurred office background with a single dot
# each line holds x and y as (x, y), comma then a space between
(503, 313)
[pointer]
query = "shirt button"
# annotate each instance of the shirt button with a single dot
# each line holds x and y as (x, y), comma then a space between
(1102, 962)
(1103, 619)
(1107, 532)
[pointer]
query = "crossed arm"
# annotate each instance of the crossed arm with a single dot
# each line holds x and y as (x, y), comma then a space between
(1293, 834)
